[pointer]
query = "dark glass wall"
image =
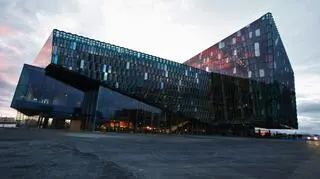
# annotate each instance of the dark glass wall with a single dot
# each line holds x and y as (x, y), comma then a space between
(166, 84)
(255, 53)
(118, 112)
(284, 76)
(36, 93)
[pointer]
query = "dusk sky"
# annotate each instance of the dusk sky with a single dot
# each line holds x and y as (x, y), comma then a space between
(172, 29)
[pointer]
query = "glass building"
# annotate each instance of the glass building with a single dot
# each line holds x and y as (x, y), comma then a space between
(243, 81)
(255, 53)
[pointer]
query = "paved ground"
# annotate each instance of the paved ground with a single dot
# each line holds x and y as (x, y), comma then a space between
(26, 153)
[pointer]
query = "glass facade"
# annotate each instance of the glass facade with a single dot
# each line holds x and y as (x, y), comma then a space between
(248, 53)
(118, 112)
(162, 83)
(255, 53)
(244, 79)
(37, 93)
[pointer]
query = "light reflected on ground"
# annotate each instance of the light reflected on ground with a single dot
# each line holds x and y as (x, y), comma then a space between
(313, 144)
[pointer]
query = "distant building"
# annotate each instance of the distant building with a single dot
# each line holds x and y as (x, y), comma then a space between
(7, 119)
(242, 82)
(7, 122)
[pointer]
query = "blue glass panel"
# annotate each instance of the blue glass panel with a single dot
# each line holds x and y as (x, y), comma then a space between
(43, 92)
(55, 59)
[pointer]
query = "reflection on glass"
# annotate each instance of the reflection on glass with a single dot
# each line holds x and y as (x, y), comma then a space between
(36, 91)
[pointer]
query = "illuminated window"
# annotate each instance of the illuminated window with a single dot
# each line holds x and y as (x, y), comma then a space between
(55, 50)
(276, 42)
(128, 65)
(219, 56)
(261, 72)
(250, 35)
(249, 73)
(233, 40)
(145, 76)
(234, 70)
(81, 64)
(235, 52)
(105, 76)
(256, 49)
(55, 59)
(73, 45)
(104, 68)
(257, 32)
(221, 45)
(109, 70)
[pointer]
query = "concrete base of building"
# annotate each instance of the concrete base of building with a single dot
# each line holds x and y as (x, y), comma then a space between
(75, 125)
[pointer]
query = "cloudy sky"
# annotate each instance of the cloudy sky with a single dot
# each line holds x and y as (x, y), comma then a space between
(173, 29)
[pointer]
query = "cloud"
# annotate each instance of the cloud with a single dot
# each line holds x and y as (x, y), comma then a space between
(308, 124)
(310, 108)
(6, 30)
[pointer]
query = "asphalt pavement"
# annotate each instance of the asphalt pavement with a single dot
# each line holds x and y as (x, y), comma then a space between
(39, 153)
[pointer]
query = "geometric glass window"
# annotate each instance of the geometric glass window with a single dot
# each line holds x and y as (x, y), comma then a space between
(105, 76)
(104, 69)
(81, 64)
(145, 76)
(221, 45)
(219, 56)
(261, 72)
(256, 49)
(257, 32)
(55, 59)
(238, 33)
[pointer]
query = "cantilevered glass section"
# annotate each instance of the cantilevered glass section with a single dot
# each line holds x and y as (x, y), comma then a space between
(37, 93)
(156, 81)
